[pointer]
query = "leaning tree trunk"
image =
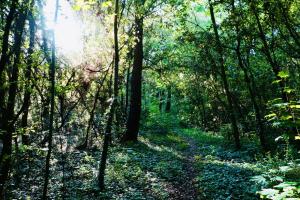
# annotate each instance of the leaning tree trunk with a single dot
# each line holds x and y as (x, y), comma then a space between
(85, 144)
(224, 79)
(266, 49)
(112, 110)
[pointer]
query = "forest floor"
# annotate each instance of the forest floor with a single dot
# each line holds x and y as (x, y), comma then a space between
(182, 164)
(179, 164)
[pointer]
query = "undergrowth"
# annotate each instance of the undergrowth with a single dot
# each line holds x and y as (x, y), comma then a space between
(149, 168)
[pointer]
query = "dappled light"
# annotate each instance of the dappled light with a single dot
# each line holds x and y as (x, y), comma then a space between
(149, 99)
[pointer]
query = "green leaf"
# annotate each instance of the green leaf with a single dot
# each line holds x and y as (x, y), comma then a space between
(288, 90)
(107, 4)
(276, 81)
(283, 185)
(286, 117)
(199, 8)
(283, 74)
(270, 116)
(269, 193)
(295, 106)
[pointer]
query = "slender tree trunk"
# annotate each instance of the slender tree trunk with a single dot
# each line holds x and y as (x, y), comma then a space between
(202, 104)
(28, 86)
(114, 103)
(9, 125)
(236, 133)
(258, 116)
(160, 99)
(169, 96)
(127, 90)
(52, 101)
(133, 121)
(116, 67)
(104, 155)
(287, 22)
(45, 48)
(260, 126)
(273, 63)
(91, 120)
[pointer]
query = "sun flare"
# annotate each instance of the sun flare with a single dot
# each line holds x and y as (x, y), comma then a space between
(68, 29)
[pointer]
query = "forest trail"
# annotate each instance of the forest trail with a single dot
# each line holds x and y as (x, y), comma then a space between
(187, 189)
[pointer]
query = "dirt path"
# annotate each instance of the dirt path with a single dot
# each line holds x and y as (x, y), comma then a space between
(186, 189)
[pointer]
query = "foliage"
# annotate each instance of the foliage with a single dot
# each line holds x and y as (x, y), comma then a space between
(279, 183)
(213, 74)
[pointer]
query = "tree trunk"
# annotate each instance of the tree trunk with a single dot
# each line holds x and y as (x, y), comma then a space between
(127, 90)
(52, 101)
(91, 120)
(28, 86)
(116, 67)
(287, 22)
(260, 126)
(273, 63)
(236, 133)
(45, 48)
(5, 57)
(113, 106)
(133, 121)
(9, 125)
(169, 96)
(107, 139)
(160, 99)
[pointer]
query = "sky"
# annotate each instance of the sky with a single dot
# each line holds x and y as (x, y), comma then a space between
(68, 30)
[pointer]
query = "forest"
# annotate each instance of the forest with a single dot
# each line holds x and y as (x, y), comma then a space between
(150, 99)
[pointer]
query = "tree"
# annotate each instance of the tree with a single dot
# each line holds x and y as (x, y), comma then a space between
(224, 78)
(114, 101)
(248, 80)
(9, 119)
(52, 102)
(133, 121)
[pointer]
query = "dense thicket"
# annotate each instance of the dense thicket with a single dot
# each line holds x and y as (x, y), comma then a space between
(230, 66)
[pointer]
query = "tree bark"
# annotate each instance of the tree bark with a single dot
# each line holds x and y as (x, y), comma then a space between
(9, 125)
(169, 96)
(260, 126)
(45, 48)
(4, 59)
(127, 89)
(91, 120)
(28, 86)
(133, 121)
(231, 111)
(52, 101)
(104, 155)
(273, 63)
(114, 103)
(160, 99)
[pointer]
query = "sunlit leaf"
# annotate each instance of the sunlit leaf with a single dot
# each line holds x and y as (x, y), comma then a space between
(283, 74)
